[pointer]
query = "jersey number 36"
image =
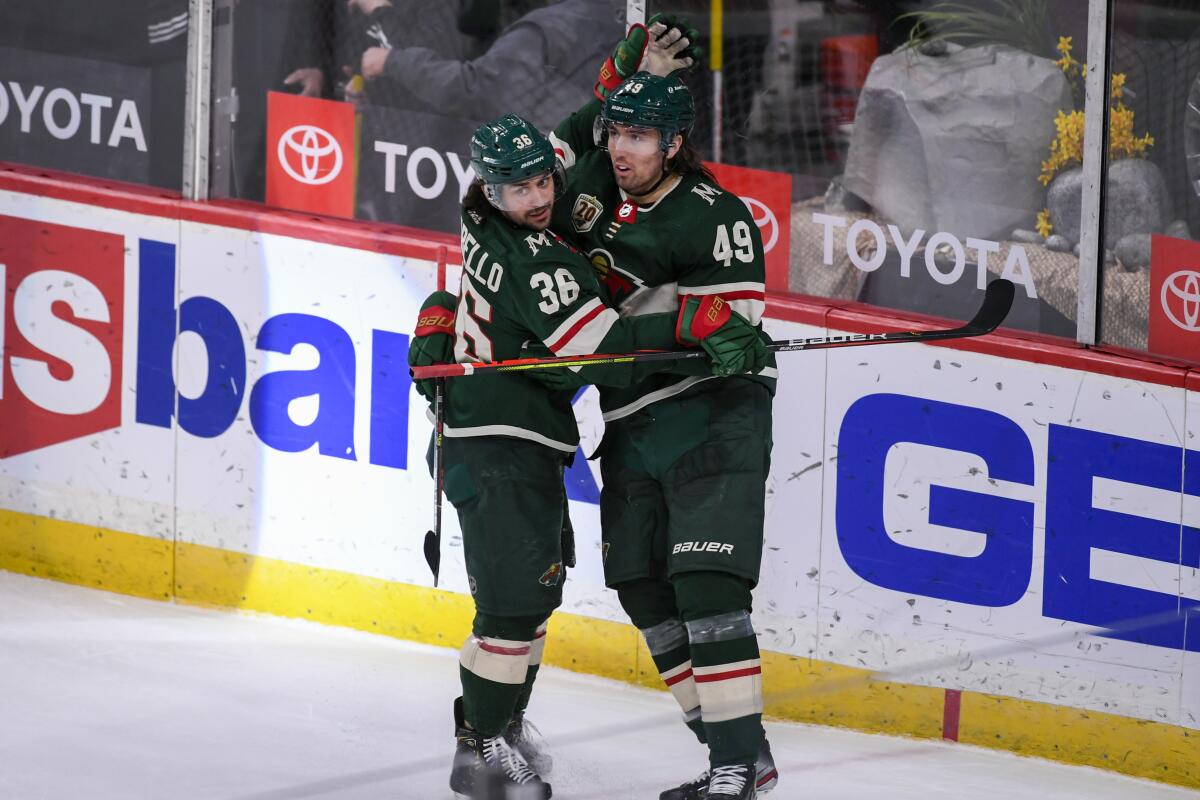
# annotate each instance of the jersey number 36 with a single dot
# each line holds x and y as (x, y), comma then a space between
(558, 293)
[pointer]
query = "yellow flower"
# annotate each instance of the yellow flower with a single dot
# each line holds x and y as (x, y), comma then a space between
(1044, 228)
(1064, 45)
(1118, 85)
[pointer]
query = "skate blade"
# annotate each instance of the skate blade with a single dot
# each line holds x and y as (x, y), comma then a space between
(767, 782)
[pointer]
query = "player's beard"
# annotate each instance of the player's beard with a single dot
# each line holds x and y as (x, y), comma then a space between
(538, 218)
(635, 182)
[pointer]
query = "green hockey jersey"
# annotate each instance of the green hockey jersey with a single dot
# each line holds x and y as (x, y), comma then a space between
(697, 239)
(521, 286)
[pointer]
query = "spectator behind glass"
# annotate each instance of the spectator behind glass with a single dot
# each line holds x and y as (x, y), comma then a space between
(379, 26)
(541, 67)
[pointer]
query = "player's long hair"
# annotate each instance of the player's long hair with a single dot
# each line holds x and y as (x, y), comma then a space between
(475, 200)
(686, 161)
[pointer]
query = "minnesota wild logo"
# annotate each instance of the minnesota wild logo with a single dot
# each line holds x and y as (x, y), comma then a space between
(552, 575)
(619, 285)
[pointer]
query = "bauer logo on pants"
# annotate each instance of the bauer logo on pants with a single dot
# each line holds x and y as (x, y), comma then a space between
(702, 547)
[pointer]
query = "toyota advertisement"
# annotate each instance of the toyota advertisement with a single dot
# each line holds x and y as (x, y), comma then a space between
(413, 169)
(75, 114)
(1175, 297)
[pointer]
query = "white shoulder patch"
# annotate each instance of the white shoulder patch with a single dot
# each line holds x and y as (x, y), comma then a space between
(706, 193)
(562, 151)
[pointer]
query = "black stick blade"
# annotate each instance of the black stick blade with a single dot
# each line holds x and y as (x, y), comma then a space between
(433, 553)
(997, 302)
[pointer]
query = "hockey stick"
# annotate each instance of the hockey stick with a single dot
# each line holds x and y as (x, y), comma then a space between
(997, 301)
(433, 538)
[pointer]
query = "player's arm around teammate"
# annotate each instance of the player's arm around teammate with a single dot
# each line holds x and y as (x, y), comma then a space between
(507, 438)
(684, 459)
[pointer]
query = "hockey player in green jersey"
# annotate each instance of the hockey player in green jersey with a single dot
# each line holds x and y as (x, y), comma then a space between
(684, 458)
(507, 438)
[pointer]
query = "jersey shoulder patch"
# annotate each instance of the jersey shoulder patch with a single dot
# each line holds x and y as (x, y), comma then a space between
(706, 191)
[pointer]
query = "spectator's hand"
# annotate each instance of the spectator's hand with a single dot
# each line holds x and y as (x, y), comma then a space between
(671, 47)
(311, 80)
(352, 89)
(373, 59)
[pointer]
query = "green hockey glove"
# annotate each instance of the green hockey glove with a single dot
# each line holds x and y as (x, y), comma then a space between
(668, 52)
(433, 338)
(623, 62)
(733, 344)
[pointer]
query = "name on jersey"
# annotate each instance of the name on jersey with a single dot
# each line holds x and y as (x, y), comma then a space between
(475, 258)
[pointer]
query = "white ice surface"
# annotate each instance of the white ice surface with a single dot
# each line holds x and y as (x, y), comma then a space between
(104, 696)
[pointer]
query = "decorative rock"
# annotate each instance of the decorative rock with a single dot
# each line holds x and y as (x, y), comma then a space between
(1136, 200)
(939, 48)
(1058, 243)
(1133, 251)
(955, 143)
(1178, 229)
(1076, 249)
(838, 200)
(1027, 237)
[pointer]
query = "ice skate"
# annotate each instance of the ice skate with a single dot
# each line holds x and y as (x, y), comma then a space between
(528, 741)
(487, 768)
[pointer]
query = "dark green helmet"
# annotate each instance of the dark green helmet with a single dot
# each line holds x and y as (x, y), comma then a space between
(509, 149)
(649, 101)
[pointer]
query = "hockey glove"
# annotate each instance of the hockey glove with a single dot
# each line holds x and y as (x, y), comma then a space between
(556, 379)
(433, 338)
(673, 46)
(732, 343)
(666, 57)
(623, 62)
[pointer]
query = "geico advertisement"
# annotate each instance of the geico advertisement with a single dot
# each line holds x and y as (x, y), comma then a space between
(974, 505)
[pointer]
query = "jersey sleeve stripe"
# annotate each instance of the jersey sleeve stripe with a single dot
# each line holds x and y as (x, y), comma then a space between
(584, 314)
(748, 299)
(752, 310)
(589, 336)
(563, 151)
(729, 291)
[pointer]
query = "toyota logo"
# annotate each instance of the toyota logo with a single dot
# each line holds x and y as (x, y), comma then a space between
(765, 219)
(310, 148)
(1181, 293)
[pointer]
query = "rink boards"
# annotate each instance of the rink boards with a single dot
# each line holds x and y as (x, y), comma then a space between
(211, 404)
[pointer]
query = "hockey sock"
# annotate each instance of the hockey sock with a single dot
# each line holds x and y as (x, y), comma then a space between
(535, 661)
(493, 667)
(725, 663)
(650, 604)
